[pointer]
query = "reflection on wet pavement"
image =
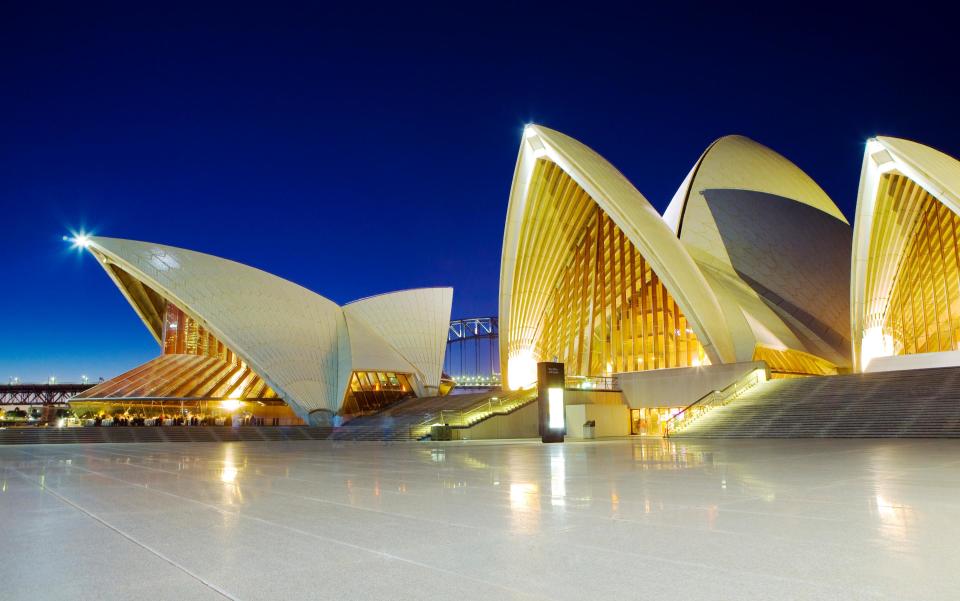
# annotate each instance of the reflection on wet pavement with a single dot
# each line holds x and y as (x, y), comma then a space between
(799, 519)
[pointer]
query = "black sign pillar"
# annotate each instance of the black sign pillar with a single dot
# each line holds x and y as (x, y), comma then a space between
(550, 382)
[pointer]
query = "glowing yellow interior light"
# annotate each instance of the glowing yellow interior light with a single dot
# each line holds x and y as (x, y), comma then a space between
(875, 344)
(521, 370)
(230, 405)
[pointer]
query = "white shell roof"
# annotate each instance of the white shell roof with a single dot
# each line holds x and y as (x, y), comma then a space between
(414, 322)
(934, 171)
(633, 214)
(700, 267)
(750, 216)
(295, 339)
(941, 171)
(740, 163)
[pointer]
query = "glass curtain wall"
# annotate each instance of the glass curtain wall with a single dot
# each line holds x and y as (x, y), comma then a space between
(609, 311)
(372, 390)
(923, 313)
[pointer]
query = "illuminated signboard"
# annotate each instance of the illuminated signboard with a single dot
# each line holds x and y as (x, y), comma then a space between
(550, 381)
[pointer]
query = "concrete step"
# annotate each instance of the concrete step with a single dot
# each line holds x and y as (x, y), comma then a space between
(915, 403)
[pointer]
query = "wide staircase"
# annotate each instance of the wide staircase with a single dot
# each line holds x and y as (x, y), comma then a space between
(922, 403)
(120, 434)
(412, 419)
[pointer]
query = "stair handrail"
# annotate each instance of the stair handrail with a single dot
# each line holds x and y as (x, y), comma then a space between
(460, 418)
(713, 399)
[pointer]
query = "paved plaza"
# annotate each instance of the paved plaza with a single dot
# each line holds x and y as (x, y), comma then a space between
(621, 519)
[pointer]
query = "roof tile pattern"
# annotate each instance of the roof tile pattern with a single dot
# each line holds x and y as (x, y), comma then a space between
(295, 339)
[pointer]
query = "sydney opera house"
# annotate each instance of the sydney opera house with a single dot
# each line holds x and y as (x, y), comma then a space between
(752, 266)
(237, 339)
(592, 275)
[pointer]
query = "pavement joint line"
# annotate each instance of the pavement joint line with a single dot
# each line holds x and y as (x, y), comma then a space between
(383, 554)
(314, 499)
(696, 564)
(726, 505)
(130, 538)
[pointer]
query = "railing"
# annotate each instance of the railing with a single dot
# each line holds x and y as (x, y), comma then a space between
(714, 399)
(491, 381)
(464, 418)
(591, 383)
(40, 394)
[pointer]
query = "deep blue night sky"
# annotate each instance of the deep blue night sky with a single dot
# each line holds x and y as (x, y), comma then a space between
(364, 151)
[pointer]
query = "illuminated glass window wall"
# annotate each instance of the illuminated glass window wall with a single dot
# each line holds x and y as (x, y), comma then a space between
(605, 310)
(923, 313)
(370, 391)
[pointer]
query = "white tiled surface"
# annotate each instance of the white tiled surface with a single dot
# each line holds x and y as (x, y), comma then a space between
(413, 322)
(292, 337)
(286, 333)
(811, 519)
(732, 232)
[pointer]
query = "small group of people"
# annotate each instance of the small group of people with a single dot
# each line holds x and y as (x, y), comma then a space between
(249, 420)
(175, 420)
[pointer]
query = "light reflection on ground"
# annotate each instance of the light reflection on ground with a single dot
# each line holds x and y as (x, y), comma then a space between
(806, 519)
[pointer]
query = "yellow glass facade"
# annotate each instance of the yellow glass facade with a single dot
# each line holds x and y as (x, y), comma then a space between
(584, 293)
(369, 391)
(194, 368)
(183, 335)
(184, 377)
(923, 311)
(175, 384)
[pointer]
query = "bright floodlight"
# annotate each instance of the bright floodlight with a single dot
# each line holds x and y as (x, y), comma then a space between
(78, 240)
